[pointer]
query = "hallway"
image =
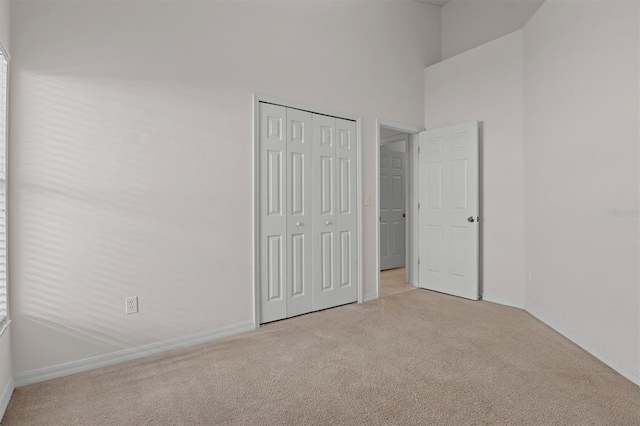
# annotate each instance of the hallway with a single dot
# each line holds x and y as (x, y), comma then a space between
(392, 281)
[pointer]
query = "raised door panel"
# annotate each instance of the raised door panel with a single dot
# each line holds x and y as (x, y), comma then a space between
(273, 215)
(346, 263)
(299, 225)
(433, 183)
(397, 244)
(326, 262)
(346, 249)
(275, 270)
(324, 211)
(298, 267)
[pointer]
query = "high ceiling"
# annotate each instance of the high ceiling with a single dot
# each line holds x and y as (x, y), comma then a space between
(436, 2)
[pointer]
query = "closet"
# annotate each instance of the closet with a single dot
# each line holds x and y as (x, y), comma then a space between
(307, 212)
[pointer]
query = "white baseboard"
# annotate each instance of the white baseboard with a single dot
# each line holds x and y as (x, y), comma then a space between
(503, 301)
(105, 360)
(6, 397)
(369, 297)
(610, 360)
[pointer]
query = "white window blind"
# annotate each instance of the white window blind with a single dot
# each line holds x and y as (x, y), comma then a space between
(3, 188)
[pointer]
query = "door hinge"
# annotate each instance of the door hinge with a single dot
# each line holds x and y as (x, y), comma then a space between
(418, 206)
(418, 261)
(418, 150)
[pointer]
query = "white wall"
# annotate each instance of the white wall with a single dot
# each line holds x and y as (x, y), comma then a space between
(470, 23)
(568, 86)
(581, 158)
(132, 152)
(485, 84)
(5, 339)
(4, 23)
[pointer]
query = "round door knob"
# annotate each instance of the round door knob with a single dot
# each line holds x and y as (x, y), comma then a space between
(328, 223)
(470, 219)
(298, 223)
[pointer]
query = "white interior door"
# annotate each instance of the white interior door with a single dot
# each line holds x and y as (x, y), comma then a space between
(346, 212)
(392, 208)
(299, 268)
(324, 212)
(449, 210)
(273, 215)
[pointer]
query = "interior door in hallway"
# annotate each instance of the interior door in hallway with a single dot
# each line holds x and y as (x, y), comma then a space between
(392, 208)
(449, 209)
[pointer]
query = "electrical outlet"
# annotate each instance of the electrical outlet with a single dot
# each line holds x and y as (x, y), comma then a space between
(131, 305)
(367, 200)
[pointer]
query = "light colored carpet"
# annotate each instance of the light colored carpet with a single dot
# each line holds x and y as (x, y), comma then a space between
(415, 357)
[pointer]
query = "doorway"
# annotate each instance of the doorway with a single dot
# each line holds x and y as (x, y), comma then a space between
(397, 207)
(445, 231)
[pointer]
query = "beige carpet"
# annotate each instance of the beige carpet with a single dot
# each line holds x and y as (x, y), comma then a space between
(415, 357)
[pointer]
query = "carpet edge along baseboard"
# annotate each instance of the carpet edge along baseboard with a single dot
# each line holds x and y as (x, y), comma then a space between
(112, 358)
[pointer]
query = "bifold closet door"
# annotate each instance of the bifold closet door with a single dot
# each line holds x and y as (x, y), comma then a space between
(285, 200)
(324, 212)
(273, 217)
(308, 212)
(334, 212)
(299, 195)
(347, 215)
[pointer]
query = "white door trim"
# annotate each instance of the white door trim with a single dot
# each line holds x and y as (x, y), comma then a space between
(412, 260)
(257, 98)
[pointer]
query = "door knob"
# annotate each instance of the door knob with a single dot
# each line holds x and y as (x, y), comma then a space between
(298, 223)
(471, 219)
(328, 223)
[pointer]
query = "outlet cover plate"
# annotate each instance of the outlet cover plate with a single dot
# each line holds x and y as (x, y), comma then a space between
(131, 305)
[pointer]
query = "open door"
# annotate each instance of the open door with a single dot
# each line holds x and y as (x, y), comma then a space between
(449, 228)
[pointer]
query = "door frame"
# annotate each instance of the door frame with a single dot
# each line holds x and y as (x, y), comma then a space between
(257, 99)
(412, 158)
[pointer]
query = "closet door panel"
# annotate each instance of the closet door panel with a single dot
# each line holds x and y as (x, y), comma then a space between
(299, 225)
(324, 207)
(346, 212)
(273, 213)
